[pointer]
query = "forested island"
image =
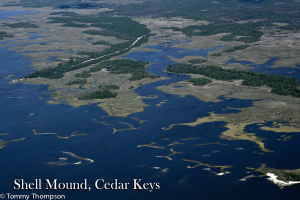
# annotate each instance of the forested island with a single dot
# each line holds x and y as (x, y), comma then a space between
(247, 33)
(280, 85)
(109, 87)
(241, 47)
(136, 68)
(102, 93)
(216, 54)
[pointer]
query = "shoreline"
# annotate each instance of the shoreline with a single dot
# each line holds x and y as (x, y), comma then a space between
(273, 178)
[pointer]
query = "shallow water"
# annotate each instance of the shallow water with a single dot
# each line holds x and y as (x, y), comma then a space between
(266, 68)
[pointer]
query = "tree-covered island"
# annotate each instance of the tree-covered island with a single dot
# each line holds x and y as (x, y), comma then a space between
(280, 85)
(103, 92)
(124, 66)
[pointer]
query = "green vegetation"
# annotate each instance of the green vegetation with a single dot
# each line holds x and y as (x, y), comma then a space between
(280, 85)
(60, 69)
(241, 47)
(102, 42)
(84, 74)
(103, 93)
(285, 175)
(131, 87)
(216, 54)
(21, 25)
(120, 27)
(247, 32)
(222, 16)
(4, 34)
(197, 61)
(113, 48)
(269, 11)
(78, 63)
(109, 87)
(99, 94)
(77, 81)
(136, 68)
(199, 81)
(291, 176)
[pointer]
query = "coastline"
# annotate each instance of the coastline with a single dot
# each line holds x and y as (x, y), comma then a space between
(273, 178)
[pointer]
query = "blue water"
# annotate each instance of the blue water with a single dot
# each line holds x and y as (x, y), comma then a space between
(116, 155)
(4, 15)
(7, 14)
(51, 50)
(266, 68)
(34, 36)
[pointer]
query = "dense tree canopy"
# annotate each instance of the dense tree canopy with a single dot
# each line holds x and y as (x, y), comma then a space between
(199, 81)
(4, 34)
(21, 25)
(280, 84)
(102, 93)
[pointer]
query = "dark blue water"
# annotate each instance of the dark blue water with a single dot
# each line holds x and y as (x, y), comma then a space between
(283, 150)
(117, 155)
(266, 68)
